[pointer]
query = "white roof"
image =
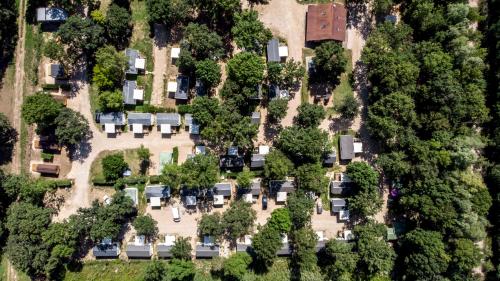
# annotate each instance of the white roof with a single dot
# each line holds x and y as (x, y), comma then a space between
(138, 94)
(218, 200)
(248, 198)
(172, 87)
(169, 240)
(199, 149)
(174, 53)
(263, 149)
(109, 128)
(155, 201)
(283, 51)
(344, 215)
(281, 196)
(358, 147)
(139, 240)
(320, 235)
(137, 128)
(166, 128)
(140, 63)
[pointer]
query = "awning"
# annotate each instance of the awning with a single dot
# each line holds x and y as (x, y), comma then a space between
(109, 128)
(283, 51)
(155, 201)
(281, 196)
(137, 128)
(138, 94)
(358, 147)
(140, 63)
(248, 198)
(174, 53)
(218, 200)
(172, 87)
(166, 129)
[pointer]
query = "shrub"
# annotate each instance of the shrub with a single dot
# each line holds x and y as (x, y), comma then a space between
(175, 155)
(48, 157)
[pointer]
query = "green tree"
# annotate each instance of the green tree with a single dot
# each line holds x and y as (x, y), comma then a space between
(303, 145)
(8, 138)
(71, 127)
(182, 248)
(109, 69)
(82, 36)
(301, 208)
(181, 270)
(394, 164)
(98, 17)
(54, 50)
(211, 225)
(246, 69)
(304, 248)
(424, 254)
(311, 177)
(329, 61)
(244, 179)
(273, 72)
(349, 108)
(265, 244)
(40, 109)
(155, 271)
(204, 110)
(144, 156)
(292, 73)
(118, 26)
(341, 260)
(383, 6)
(365, 199)
(111, 101)
(465, 256)
(171, 176)
(238, 219)
(277, 166)
(146, 225)
(236, 266)
(376, 257)
(113, 166)
(310, 115)
(280, 220)
(201, 42)
(209, 72)
(201, 171)
(167, 12)
(219, 10)
(249, 32)
(277, 109)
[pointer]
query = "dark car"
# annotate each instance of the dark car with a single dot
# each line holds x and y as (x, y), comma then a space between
(264, 202)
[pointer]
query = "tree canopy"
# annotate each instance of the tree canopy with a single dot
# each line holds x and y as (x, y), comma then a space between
(329, 62)
(167, 12)
(303, 145)
(113, 166)
(146, 225)
(249, 32)
(311, 177)
(109, 71)
(118, 28)
(8, 138)
(238, 219)
(201, 171)
(309, 115)
(246, 69)
(277, 166)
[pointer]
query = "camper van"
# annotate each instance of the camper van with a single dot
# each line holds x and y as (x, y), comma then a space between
(176, 214)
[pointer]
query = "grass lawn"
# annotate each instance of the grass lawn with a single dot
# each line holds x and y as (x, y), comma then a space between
(3, 272)
(33, 51)
(344, 88)
(145, 82)
(304, 93)
(109, 271)
(130, 156)
(140, 34)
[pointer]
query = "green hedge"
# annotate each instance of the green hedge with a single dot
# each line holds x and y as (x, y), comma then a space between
(47, 157)
(184, 108)
(175, 155)
(135, 180)
(154, 179)
(98, 181)
(64, 183)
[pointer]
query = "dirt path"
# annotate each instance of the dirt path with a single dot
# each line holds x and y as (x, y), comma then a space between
(160, 63)
(19, 86)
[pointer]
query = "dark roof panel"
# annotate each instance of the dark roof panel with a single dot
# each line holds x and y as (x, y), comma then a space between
(273, 50)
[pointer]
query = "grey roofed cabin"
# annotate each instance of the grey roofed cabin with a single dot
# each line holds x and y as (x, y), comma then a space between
(132, 55)
(106, 250)
(164, 251)
(158, 190)
(276, 186)
(174, 119)
(117, 118)
(273, 51)
(140, 118)
(182, 88)
(346, 147)
(222, 188)
(339, 188)
(338, 204)
(53, 14)
(254, 188)
(128, 91)
(139, 251)
(56, 70)
(256, 117)
(257, 160)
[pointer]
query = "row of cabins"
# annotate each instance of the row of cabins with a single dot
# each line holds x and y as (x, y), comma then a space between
(139, 248)
(140, 123)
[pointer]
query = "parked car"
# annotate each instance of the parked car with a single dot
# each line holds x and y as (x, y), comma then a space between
(264, 202)
(319, 208)
(176, 214)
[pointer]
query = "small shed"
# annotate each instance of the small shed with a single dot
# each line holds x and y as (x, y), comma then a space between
(46, 169)
(138, 249)
(391, 234)
(283, 52)
(56, 71)
(164, 248)
(232, 151)
(256, 117)
(330, 159)
(273, 50)
(263, 149)
(138, 121)
(106, 250)
(135, 63)
(51, 15)
(223, 188)
(257, 161)
(200, 149)
(191, 124)
(285, 249)
(129, 87)
(281, 197)
(346, 147)
(158, 191)
(344, 215)
(338, 204)
(133, 194)
(174, 54)
(182, 90)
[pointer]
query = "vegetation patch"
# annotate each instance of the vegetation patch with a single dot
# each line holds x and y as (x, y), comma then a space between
(344, 89)
(129, 155)
(33, 52)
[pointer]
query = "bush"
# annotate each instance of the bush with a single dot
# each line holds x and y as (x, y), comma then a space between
(113, 166)
(48, 157)
(175, 155)
(64, 183)
(100, 181)
(184, 108)
(154, 179)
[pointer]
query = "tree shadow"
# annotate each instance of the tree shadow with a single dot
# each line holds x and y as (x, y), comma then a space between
(271, 130)
(359, 17)
(81, 151)
(8, 141)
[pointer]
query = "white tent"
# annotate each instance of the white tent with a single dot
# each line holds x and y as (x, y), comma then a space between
(283, 51)
(172, 87)
(248, 198)
(137, 128)
(281, 196)
(166, 129)
(174, 53)
(138, 94)
(109, 128)
(358, 147)
(218, 200)
(155, 202)
(140, 63)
